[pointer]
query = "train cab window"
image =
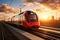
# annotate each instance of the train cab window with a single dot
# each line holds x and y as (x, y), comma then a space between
(33, 17)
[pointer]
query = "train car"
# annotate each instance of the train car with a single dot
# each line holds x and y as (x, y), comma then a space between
(27, 19)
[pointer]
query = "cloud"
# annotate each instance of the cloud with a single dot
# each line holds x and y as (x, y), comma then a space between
(52, 4)
(32, 1)
(42, 1)
(7, 8)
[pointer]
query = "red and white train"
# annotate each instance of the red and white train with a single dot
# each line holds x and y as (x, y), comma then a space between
(27, 19)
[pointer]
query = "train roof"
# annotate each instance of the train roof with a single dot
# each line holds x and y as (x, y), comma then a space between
(26, 11)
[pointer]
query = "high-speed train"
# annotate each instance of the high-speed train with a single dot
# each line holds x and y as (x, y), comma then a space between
(28, 19)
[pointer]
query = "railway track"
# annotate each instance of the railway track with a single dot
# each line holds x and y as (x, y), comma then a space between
(17, 32)
(52, 28)
(5, 34)
(47, 35)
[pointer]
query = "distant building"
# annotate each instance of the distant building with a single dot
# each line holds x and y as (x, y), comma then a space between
(52, 17)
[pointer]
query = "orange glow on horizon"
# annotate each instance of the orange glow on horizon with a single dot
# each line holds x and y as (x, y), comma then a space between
(46, 13)
(44, 17)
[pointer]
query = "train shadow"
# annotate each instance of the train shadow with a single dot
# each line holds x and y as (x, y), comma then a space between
(17, 26)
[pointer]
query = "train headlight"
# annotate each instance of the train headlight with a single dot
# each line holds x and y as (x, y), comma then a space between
(31, 13)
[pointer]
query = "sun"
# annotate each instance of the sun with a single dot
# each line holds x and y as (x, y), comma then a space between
(44, 16)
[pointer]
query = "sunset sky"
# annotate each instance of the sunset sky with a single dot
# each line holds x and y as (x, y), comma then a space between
(12, 3)
(43, 8)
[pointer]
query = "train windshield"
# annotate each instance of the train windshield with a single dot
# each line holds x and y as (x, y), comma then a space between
(33, 17)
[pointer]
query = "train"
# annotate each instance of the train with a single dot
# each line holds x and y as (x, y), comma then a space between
(27, 19)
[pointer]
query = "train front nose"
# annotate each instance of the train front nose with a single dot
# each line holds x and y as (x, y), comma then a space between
(34, 25)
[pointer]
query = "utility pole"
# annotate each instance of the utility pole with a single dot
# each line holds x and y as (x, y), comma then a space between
(20, 10)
